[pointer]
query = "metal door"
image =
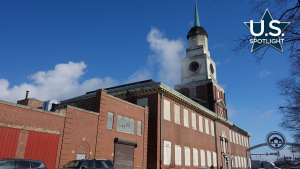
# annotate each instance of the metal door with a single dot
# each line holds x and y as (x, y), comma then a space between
(8, 142)
(43, 147)
(124, 156)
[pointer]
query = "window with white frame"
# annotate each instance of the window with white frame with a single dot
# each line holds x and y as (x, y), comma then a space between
(230, 136)
(194, 124)
(236, 162)
(167, 110)
(240, 141)
(232, 161)
(249, 162)
(176, 114)
(110, 120)
(167, 152)
(233, 138)
(202, 156)
(239, 161)
(139, 127)
(186, 117)
(195, 157)
(200, 124)
(177, 155)
(242, 162)
(208, 158)
(206, 126)
(187, 156)
(237, 138)
(212, 127)
(214, 159)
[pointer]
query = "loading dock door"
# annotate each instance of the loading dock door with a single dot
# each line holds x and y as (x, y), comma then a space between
(42, 146)
(8, 142)
(124, 153)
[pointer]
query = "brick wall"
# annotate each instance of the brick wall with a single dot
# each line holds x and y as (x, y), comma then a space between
(31, 103)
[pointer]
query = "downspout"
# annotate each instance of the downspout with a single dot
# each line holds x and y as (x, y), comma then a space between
(216, 144)
(160, 152)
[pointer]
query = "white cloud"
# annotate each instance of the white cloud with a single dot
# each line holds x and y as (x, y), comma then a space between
(267, 115)
(229, 59)
(264, 73)
(168, 55)
(63, 81)
(60, 83)
(139, 75)
(219, 46)
(218, 63)
(231, 110)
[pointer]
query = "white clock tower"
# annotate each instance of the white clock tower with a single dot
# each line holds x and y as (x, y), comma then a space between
(199, 76)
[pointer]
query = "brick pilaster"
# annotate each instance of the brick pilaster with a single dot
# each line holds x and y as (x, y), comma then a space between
(22, 142)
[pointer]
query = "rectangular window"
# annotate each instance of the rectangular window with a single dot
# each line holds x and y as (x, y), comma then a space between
(187, 156)
(212, 128)
(194, 125)
(167, 153)
(177, 114)
(237, 138)
(167, 110)
(242, 162)
(178, 155)
(139, 128)
(232, 162)
(202, 154)
(230, 135)
(236, 162)
(195, 157)
(200, 124)
(214, 159)
(208, 158)
(233, 138)
(240, 141)
(142, 102)
(206, 126)
(239, 161)
(125, 124)
(110, 120)
(186, 117)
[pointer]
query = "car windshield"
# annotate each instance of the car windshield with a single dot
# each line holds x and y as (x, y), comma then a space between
(74, 164)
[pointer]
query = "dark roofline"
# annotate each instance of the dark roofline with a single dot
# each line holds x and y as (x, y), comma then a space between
(129, 84)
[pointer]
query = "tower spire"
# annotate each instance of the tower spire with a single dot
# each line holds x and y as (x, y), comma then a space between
(196, 18)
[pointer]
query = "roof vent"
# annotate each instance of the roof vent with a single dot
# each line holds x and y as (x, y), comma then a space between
(47, 105)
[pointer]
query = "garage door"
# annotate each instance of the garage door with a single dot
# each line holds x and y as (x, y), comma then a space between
(42, 146)
(8, 142)
(124, 153)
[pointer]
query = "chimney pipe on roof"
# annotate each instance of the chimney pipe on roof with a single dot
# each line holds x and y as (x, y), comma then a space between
(26, 94)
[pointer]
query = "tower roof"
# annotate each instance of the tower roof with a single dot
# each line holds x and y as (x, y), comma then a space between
(197, 30)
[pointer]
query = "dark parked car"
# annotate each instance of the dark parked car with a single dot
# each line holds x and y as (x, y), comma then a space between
(90, 164)
(13, 163)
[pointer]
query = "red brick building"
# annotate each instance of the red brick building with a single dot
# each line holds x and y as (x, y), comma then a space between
(139, 125)
(68, 132)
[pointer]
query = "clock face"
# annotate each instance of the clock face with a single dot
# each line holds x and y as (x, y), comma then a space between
(194, 66)
(212, 70)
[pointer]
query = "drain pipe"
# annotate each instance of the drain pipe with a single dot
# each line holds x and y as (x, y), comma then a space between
(216, 143)
(161, 97)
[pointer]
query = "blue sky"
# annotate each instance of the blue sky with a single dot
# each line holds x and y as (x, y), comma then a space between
(61, 49)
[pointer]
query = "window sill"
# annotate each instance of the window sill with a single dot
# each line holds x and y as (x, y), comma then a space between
(110, 129)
